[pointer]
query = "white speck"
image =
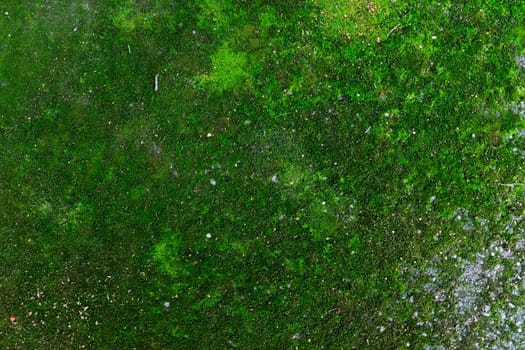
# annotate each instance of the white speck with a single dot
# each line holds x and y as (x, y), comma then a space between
(208, 235)
(6, 13)
(323, 203)
(167, 304)
(156, 82)
(275, 179)
(296, 336)
(520, 61)
(432, 199)
(368, 130)
(209, 134)
(213, 182)
(434, 37)
(156, 149)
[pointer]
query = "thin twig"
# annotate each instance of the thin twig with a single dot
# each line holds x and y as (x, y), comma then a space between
(511, 185)
(394, 28)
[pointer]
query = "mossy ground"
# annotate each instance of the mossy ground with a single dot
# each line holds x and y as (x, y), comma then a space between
(296, 161)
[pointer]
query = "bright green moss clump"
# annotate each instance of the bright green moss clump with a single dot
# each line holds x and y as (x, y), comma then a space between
(229, 71)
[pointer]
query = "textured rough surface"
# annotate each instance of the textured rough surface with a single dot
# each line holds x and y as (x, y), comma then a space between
(318, 174)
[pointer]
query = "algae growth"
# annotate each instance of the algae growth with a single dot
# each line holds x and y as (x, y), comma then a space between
(319, 174)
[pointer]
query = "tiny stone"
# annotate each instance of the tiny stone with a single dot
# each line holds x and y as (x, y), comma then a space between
(213, 182)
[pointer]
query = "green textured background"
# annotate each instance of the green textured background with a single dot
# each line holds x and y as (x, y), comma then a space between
(295, 154)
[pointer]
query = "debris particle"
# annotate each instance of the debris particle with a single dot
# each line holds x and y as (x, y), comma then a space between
(520, 61)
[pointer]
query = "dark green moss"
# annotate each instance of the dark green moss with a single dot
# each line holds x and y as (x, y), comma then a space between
(293, 156)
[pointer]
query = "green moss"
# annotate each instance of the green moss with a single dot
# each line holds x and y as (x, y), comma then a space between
(229, 71)
(295, 157)
(124, 19)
